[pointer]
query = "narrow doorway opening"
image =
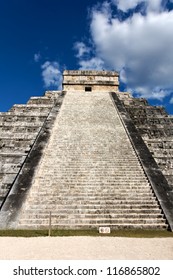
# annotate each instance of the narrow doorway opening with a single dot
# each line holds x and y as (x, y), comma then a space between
(88, 88)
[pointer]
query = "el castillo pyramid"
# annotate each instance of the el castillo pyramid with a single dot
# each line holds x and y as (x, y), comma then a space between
(91, 155)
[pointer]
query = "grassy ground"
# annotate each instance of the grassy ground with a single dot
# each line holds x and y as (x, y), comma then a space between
(117, 233)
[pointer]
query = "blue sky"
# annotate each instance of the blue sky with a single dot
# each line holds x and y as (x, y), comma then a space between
(41, 38)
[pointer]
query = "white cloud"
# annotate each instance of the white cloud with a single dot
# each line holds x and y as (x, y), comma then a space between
(151, 5)
(51, 74)
(85, 61)
(125, 5)
(81, 49)
(94, 63)
(171, 100)
(37, 57)
(146, 92)
(140, 47)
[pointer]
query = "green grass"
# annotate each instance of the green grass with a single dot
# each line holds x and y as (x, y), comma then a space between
(93, 232)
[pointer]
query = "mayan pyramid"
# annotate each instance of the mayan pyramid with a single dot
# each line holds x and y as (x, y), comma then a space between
(91, 155)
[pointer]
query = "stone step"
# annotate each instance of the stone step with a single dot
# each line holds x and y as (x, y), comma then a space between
(57, 221)
(31, 114)
(9, 168)
(19, 123)
(104, 201)
(18, 130)
(91, 197)
(12, 158)
(7, 177)
(110, 178)
(6, 118)
(18, 149)
(93, 207)
(101, 187)
(90, 183)
(102, 193)
(113, 173)
(124, 211)
(16, 136)
(89, 177)
(76, 168)
(24, 136)
(94, 226)
(14, 143)
(98, 185)
(100, 215)
(96, 182)
(126, 204)
(30, 107)
(97, 163)
(40, 101)
(3, 189)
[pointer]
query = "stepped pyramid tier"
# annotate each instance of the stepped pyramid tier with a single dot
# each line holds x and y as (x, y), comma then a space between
(19, 130)
(156, 128)
(79, 154)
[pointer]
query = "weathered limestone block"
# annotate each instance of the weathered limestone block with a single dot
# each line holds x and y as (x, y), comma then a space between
(15, 145)
(31, 109)
(40, 101)
(18, 129)
(5, 118)
(9, 168)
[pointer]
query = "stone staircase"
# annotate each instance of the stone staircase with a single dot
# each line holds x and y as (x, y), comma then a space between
(89, 174)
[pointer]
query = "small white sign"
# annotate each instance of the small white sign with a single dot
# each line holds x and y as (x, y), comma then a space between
(104, 230)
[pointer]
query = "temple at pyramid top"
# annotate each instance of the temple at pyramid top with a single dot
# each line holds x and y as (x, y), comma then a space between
(90, 80)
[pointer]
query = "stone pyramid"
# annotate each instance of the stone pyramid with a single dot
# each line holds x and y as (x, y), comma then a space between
(91, 155)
